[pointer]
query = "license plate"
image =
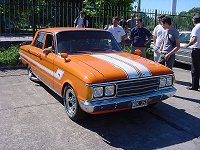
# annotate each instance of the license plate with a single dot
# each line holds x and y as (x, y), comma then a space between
(139, 103)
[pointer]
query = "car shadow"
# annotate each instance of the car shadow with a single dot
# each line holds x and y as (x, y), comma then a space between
(56, 96)
(183, 83)
(182, 65)
(188, 99)
(147, 128)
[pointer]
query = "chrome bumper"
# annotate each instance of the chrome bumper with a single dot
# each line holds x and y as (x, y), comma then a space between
(125, 102)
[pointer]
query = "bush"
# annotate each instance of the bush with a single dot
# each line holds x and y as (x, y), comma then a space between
(9, 56)
(149, 52)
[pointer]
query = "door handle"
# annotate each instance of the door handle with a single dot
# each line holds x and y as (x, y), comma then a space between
(28, 50)
(39, 55)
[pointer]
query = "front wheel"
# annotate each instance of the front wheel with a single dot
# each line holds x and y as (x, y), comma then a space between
(72, 107)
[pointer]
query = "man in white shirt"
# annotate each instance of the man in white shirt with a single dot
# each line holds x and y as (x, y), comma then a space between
(117, 31)
(195, 43)
(81, 21)
(157, 38)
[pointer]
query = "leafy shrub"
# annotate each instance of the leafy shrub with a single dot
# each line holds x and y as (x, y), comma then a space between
(9, 56)
(149, 52)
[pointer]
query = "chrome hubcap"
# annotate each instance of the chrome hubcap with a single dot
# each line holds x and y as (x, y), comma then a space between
(70, 102)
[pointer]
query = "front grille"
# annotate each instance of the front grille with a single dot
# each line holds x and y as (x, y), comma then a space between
(137, 87)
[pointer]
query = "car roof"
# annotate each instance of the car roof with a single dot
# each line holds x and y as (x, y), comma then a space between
(59, 29)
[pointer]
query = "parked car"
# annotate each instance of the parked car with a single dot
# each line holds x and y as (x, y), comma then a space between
(183, 55)
(92, 74)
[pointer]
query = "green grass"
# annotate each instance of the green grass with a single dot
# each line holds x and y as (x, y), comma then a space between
(9, 56)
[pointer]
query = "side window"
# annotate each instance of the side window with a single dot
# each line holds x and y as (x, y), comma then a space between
(40, 40)
(49, 41)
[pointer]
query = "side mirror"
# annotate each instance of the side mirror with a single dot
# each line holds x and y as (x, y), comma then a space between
(138, 52)
(48, 50)
(65, 55)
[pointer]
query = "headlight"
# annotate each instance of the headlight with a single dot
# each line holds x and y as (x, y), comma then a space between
(97, 92)
(162, 82)
(169, 81)
(109, 90)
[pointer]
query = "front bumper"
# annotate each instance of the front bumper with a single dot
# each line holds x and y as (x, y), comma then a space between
(117, 103)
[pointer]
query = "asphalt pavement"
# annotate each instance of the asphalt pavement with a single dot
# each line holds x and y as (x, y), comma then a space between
(33, 117)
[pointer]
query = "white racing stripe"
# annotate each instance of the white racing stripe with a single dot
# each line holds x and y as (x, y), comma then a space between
(144, 70)
(130, 71)
(58, 74)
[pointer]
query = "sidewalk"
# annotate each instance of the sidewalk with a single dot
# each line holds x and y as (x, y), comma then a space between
(13, 38)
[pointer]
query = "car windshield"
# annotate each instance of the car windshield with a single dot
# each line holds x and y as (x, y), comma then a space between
(184, 37)
(86, 41)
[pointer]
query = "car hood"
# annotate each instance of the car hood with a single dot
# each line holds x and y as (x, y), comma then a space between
(105, 67)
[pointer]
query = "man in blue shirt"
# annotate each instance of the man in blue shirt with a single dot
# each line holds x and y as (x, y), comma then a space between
(140, 37)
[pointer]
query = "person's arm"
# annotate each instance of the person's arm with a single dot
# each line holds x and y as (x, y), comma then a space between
(123, 37)
(87, 23)
(154, 40)
(154, 36)
(192, 41)
(149, 36)
(148, 41)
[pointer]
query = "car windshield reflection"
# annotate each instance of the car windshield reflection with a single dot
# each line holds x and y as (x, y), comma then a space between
(83, 42)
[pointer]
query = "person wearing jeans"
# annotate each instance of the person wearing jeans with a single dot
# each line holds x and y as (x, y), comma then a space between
(195, 43)
(171, 41)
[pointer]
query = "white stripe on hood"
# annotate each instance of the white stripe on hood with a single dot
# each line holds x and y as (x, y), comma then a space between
(129, 71)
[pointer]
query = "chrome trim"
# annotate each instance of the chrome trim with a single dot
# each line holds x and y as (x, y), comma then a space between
(125, 102)
(124, 81)
(115, 82)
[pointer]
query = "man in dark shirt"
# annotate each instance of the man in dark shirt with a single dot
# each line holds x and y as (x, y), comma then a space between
(140, 37)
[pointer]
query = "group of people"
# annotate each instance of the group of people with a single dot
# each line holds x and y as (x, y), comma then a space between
(165, 38)
(167, 42)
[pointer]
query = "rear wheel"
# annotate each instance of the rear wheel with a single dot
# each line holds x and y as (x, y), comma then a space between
(31, 76)
(71, 104)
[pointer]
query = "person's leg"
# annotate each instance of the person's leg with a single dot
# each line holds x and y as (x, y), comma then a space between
(170, 61)
(133, 49)
(156, 54)
(195, 69)
(143, 49)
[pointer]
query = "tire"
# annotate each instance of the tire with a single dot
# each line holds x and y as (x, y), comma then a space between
(71, 104)
(31, 76)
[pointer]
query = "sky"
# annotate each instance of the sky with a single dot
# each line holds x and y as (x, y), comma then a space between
(165, 5)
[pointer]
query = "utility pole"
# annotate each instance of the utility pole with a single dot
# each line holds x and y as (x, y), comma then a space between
(139, 6)
(34, 18)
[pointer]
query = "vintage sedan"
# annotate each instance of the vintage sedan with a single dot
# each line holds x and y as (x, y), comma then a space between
(183, 55)
(92, 74)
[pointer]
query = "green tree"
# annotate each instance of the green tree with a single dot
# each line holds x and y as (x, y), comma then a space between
(184, 19)
(102, 11)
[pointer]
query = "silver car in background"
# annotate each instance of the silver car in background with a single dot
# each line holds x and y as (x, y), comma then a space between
(183, 55)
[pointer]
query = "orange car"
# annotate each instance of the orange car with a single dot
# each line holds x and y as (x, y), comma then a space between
(90, 71)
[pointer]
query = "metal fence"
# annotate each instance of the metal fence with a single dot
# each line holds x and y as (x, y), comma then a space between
(26, 16)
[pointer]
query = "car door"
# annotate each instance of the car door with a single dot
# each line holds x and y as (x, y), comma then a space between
(47, 60)
(34, 53)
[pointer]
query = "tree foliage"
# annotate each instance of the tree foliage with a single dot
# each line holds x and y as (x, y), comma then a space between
(95, 7)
